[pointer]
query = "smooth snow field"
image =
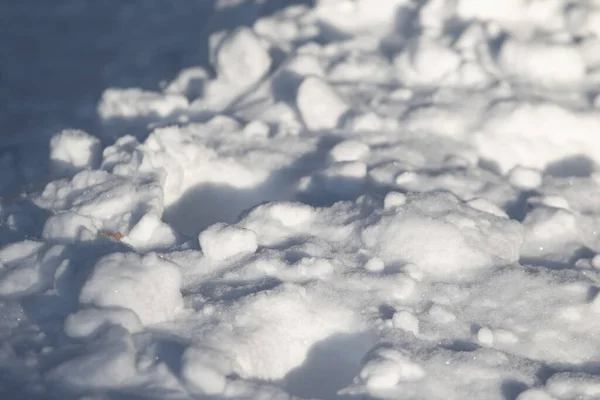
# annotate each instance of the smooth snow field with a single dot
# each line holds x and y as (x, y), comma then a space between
(251, 199)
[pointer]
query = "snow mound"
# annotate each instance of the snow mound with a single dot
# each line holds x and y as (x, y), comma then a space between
(221, 241)
(148, 285)
(443, 236)
(536, 135)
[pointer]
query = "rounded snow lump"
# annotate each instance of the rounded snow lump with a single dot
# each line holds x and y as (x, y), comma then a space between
(444, 236)
(148, 285)
(221, 241)
(72, 151)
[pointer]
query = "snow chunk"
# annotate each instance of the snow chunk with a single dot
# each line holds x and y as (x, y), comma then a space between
(72, 151)
(542, 64)
(394, 199)
(276, 221)
(535, 135)
(205, 370)
(443, 236)
(256, 129)
(374, 264)
(241, 59)
(221, 241)
(271, 333)
(69, 227)
(87, 322)
(521, 17)
(319, 105)
(574, 385)
(151, 233)
(28, 267)
(525, 178)
(125, 104)
(485, 336)
(106, 198)
(386, 367)
(360, 15)
(147, 285)
(107, 363)
(553, 234)
(348, 150)
(406, 321)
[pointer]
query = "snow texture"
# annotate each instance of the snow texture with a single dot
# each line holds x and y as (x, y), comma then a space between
(336, 199)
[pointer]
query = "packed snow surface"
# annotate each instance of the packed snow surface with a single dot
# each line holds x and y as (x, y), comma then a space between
(369, 199)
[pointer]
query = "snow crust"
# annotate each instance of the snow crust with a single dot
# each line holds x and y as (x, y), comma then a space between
(353, 200)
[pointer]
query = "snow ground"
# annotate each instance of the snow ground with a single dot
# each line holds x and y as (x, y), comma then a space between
(368, 199)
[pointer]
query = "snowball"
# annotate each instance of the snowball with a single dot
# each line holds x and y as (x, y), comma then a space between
(69, 227)
(87, 322)
(541, 64)
(394, 199)
(348, 150)
(147, 285)
(319, 105)
(221, 241)
(374, 264)
(525, 178)
(485, 336)
(72, 151)
(107, 363)
(241, 60)
(443, 236)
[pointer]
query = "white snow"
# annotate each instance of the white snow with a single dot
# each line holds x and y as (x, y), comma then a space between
(471, 239)
(221, 241)
(87, 322)
(72, 151)
(148, 285)
(353, 199)
(542, 64)
(319, 105)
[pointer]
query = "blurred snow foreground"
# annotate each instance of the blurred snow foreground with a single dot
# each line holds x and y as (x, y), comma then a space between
(365, 199)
